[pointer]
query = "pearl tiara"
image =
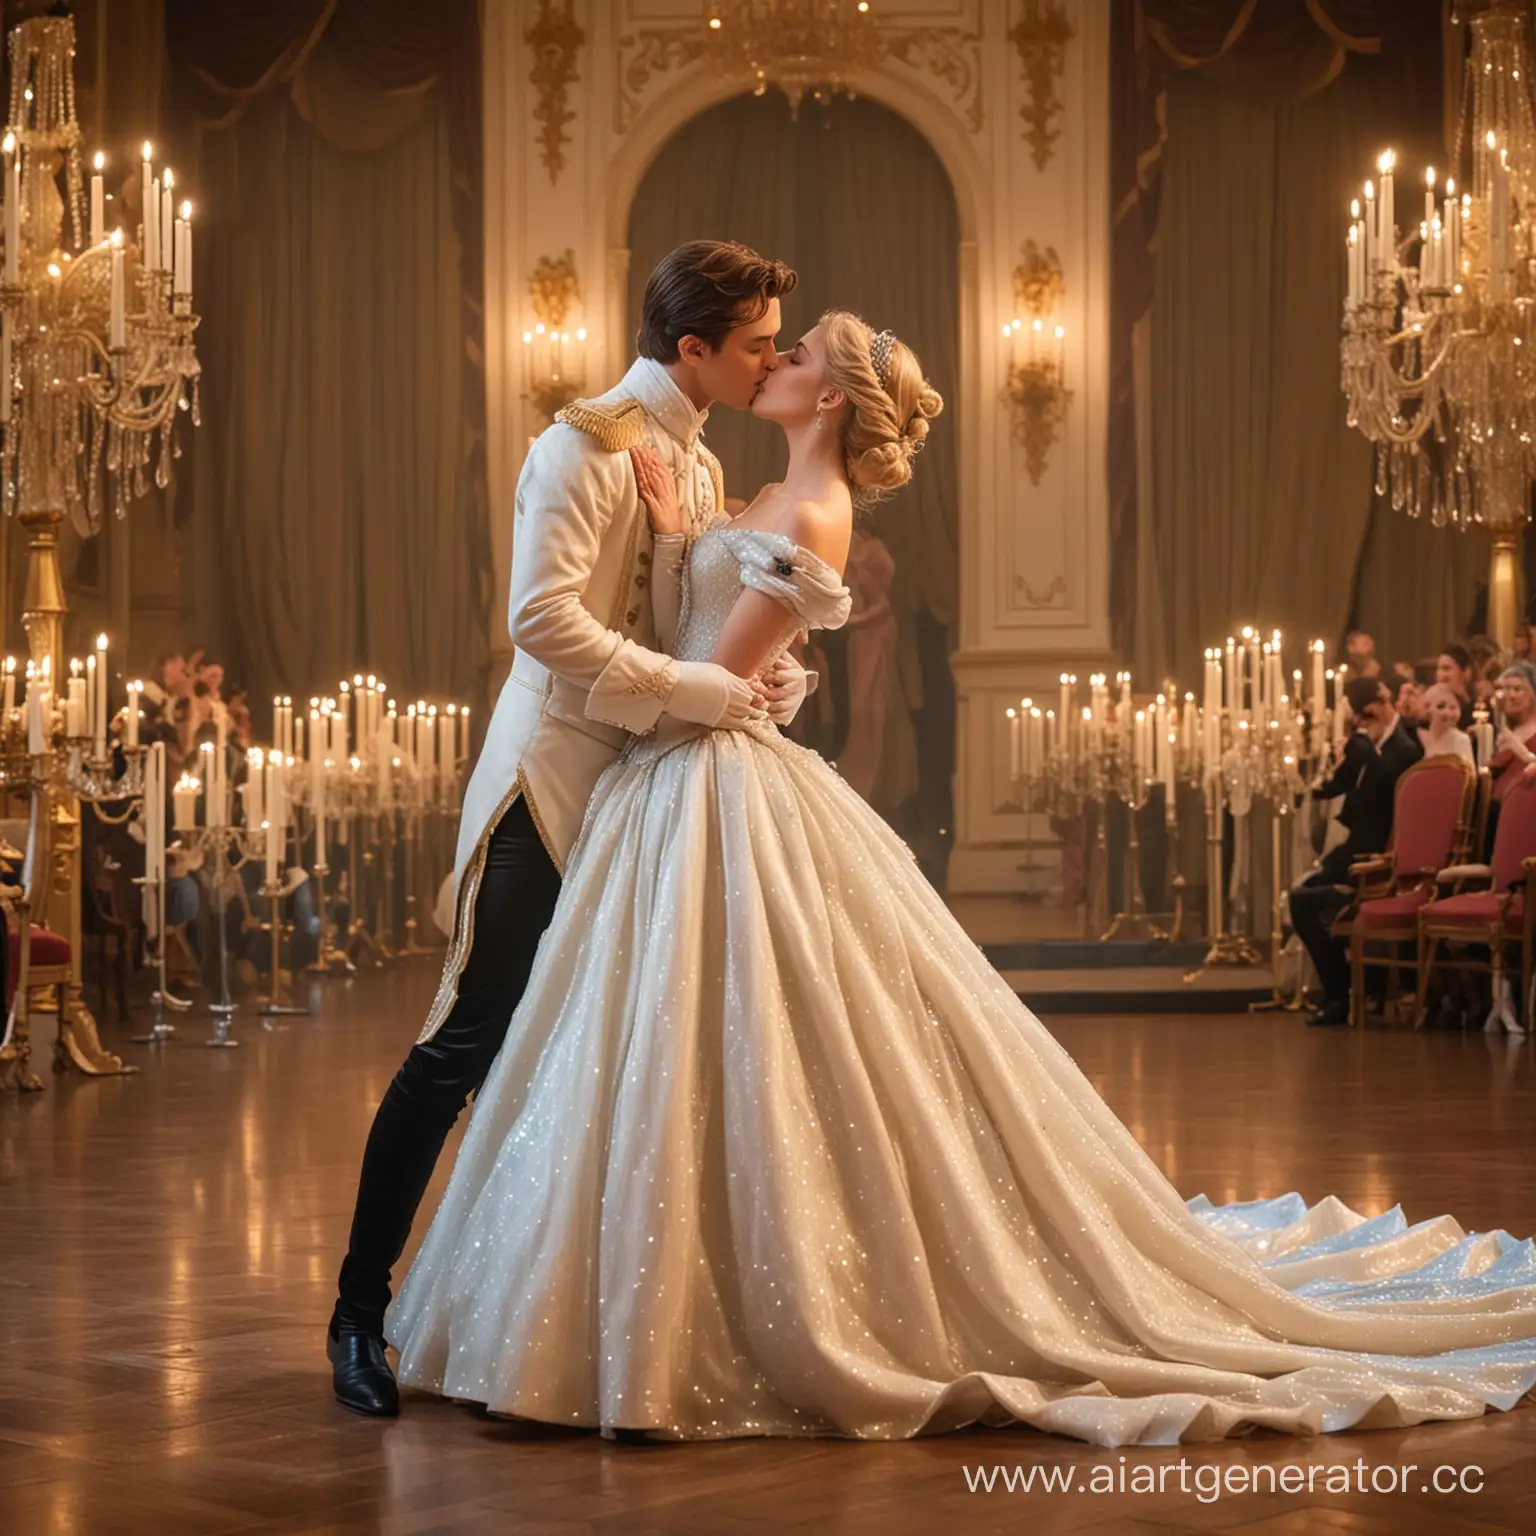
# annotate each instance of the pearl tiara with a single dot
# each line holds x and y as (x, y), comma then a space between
(880, 354)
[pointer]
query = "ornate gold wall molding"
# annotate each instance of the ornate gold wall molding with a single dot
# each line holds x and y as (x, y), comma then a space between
(1046, 599)
(1041, 36)
(950, 55)
(553, 288)
(556, 40)
(1038, 283)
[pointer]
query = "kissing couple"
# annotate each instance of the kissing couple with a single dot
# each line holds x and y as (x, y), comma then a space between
(762, 1144)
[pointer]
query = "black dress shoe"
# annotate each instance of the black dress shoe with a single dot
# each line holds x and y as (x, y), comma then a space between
(361, 1375)
(1330, 1016)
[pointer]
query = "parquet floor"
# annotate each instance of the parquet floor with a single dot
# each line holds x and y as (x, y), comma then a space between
(168, 1241)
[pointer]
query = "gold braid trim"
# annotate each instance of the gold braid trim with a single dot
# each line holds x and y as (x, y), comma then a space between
(717, 479)
(463, 940)
(616, 425)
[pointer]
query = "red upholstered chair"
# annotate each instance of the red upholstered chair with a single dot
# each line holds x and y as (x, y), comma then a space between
(1489, 904)
(1431, 823)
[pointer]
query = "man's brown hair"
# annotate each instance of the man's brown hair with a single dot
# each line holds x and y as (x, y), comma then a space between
(707, 288)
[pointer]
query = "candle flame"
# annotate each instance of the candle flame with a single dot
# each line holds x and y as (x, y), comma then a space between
(186, 211)
(149, 151)
(101, 161)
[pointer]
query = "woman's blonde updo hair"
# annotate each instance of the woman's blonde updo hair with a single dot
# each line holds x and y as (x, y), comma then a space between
(886, 421)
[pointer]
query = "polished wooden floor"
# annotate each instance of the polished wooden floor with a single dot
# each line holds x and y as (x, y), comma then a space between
(168, 1241)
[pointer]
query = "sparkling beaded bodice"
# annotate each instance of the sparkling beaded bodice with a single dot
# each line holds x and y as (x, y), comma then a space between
(724, 559)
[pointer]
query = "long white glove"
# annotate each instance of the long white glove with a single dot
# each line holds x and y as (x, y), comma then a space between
(707, 694)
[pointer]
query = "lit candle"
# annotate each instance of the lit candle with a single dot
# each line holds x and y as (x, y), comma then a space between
(150, 253)
(184, 801)
(1015, 746)
(255, 774)
(153, 820)
(1429, 195)
(182, 282)
(464, 734)
(75, 714)
(12, 210)
(102, 688)
(98, 201)
(167, 245)
(131, 715)
(149, 208)
(10, 690)
(317, 745)
(117, 323)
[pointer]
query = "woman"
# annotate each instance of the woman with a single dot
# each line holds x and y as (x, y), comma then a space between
(1441, 734)
(772, 1149)
(1515, 749)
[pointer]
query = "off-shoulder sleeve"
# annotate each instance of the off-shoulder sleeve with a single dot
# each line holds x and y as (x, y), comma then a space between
(774, 564)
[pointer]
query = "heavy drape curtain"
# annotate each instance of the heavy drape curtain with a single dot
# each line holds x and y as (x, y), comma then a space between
(339, 476)
(1249, 496)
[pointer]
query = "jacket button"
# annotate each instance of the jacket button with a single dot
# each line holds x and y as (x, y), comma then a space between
(632, 615)
(640, 581)
(644, 557)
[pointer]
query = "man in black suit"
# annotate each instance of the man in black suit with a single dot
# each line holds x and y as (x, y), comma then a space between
(1375, 757)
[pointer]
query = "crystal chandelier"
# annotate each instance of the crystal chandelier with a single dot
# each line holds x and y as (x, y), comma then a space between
(1438, 356)
(794, 46)
(96, 353)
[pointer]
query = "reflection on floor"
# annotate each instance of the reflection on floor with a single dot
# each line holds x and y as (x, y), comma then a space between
(168, 1241)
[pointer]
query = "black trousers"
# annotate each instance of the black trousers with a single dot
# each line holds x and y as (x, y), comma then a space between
(513, 908)
(1314, 905)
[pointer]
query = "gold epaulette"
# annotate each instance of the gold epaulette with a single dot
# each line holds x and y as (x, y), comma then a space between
(616, 424)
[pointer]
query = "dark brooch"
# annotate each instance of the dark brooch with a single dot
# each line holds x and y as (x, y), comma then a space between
(783, 567)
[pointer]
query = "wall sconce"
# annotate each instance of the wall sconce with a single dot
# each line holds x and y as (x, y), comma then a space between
(554, 358)
(1035, 339)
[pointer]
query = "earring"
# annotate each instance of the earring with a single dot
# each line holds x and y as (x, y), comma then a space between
(818, 420)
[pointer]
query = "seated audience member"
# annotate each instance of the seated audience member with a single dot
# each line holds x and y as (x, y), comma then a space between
(1374, 756)
(1522, 650)
(1515, 748)
(1410, 698)
(1440, 735)
(1454, 668)
(1360, 654)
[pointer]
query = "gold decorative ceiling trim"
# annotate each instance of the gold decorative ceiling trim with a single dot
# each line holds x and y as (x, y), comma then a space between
(555, 39)
(1041, 36)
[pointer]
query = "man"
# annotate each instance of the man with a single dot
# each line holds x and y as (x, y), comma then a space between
(585, 676)
(1360, 654)
(1454, 668)
(1374, 757)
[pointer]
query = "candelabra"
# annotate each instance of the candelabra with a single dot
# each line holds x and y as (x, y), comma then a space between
(1035, 388)
(54, 774)
(1438, 355)
(1245, 741)
(96, 362)
(555, 360)
(227, 849)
